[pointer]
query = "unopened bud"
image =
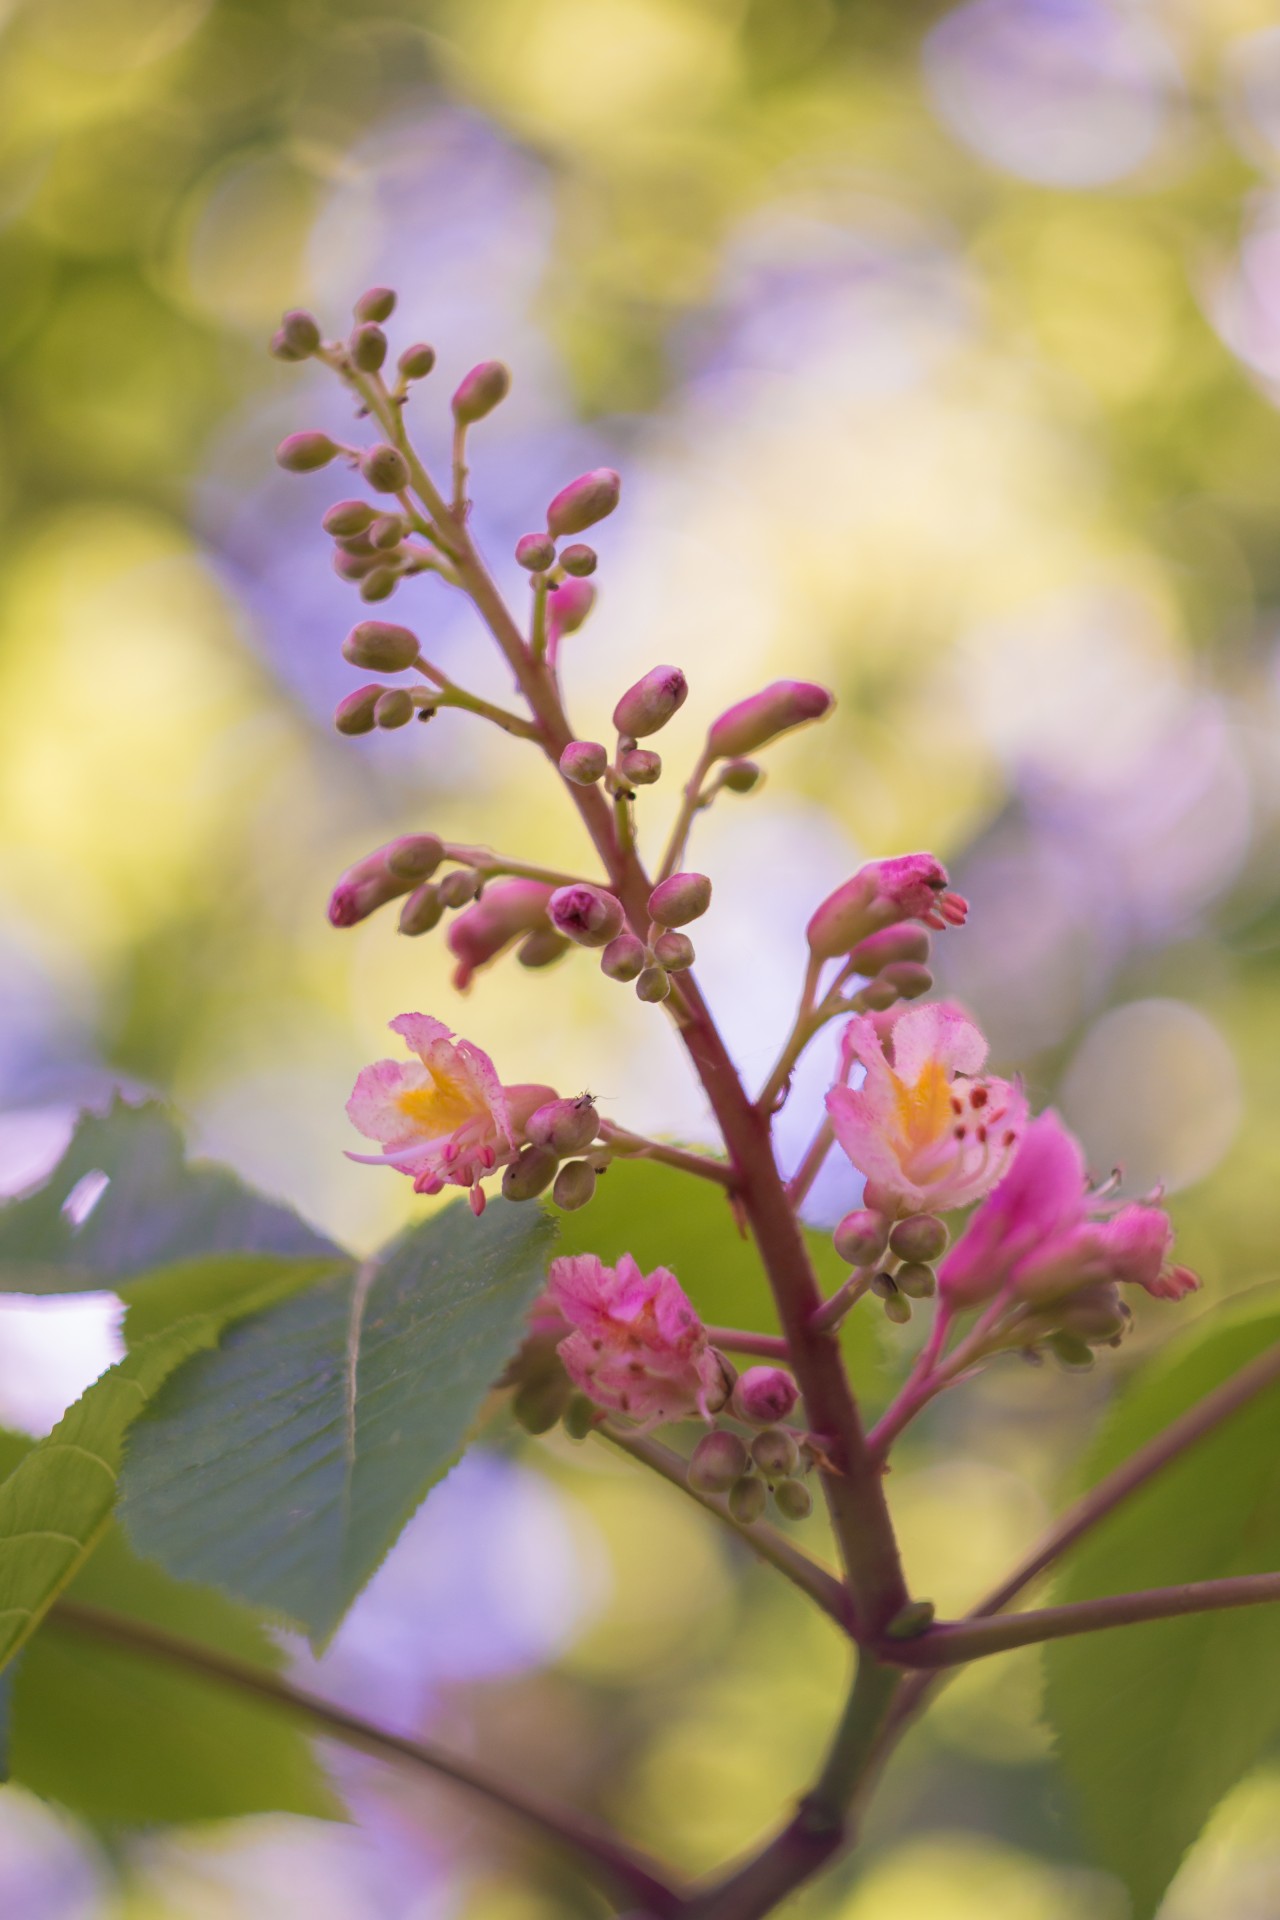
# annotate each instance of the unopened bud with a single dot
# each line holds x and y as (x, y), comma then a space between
(741, 776)
(385, 468)
(480, 391)
(367, 346)
(541, 948)
(535, 551)
(539, 1403)
(355, 713)
(579, 559)
(395, 708)
(793, 1499)
(567, 1126)
(280, 349)
(380, 646)
(911, 1620)
(508, 910)
(353, 566)
(574, 1185)
(653, 985)
(754, 722)
(876, 997)
(364, 887)
(775, 1453)
(891, 945)
(304, 452)
(884, 892)
(422, 911)
(651, 702)
(623, 958)
(861, 1237)
(764, 1395)
(348, 517)
(580, 1417)
(639, 767)
(584, 762)
(416, 362)
(680, 898)
(898, 1309)
(379, 303)
(1095, 1314)
(380, 584)
(1076, 1355)
(568, 606)
(588, 916)
(717, 1462)
(747, 1498)
(917, 1280)
(674, 951)
(386, 531)
(884, 1286)
(300, 331)
(908, 978)
(460, 887)
(529, 1174)
(585, 500)
(920, 1237)
(415, 856)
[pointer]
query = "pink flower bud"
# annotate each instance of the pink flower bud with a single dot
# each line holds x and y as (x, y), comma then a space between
(583, 762)
(416, 362)
(535, 551)
(653, 985)
(541, 948)
(394, 708)
(916, 1279)
(911, 887)
(386, 530)
(680, 898)
(378, 303)
(385, 468)
(352, 565)
(907, 978)
(754, 722)
(574, 1185)
(380, 584)
(304, 452)
(355, 713)
(507, 910)
(377, 645)
(674, 951)
(568, 1126)
(718, 1460)
(280, 349)
(906, 941)
(623, 958)
(347, 517)
(651, 702)
(764, 1395)
(480, 391)
(861, 1237)
(584, 501)
(579, 559)
(588, 916)
(639, 767)
(367, 346)
(524, 1099)
(382, 875)
(775, 1453)
(921, 1236)
(422, 911)
(568, 606)
(300, 332)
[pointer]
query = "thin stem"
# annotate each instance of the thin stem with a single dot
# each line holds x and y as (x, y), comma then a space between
(954, 1642)
(607, 1860)
(538, 625)
(808, 1574)
(459, 463)
(835, 1311)
(639, 1146)
(811, 1166)
(485, 861)
(768, 1346)
(691, 800)
(806, 1023)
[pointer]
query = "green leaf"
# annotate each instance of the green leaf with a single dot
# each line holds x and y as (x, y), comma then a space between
(282, 1467)
(155, 1209)
(666, 1218)
(1156, 1723)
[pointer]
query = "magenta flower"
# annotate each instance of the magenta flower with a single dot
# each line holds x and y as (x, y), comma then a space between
(911, 887)
(924, 1128)
(504, 913)
(637, 1346)
(1041, 1234)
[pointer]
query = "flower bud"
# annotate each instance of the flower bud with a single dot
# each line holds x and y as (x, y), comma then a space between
(535, 551)
(480, 391)
(529, 1174)
(876, 997)
(861, 1237)
(422, 911)
(793, 1499)
(279, 348)
(348, 517)
(353, 566)
(906, 941)
(674, 951)
(653, 985)
(639, 767)
(916, 1279)
(651, 702)
(912, 887)
(1095, 1313)
(911, 1620)
(539, 1403)
(583, 762)
(680, 898)
(747, 1499)
(764, 1395)
(1076, 1355)
(508, 910)
(386, 531)
(579, 559)
(898, 1309)
(355, 713)
(367, 346)
(304, 452)
(394, 708)
(568, 606)
(775, 1453)
(300, 332)
(366, 886)
(415, 856)
(908, 978)
(460, 887)
(580, 1417)
(385, 468)
(541, 948)
(379, 303)
(416, 362)
(754, 722)
(623, 958)
(566, 1126)
(740, 776)
(718, 1460)
(380, 584)
(380, 646)
(588, 916)
(585, 500)
(574, 1185)
(921, 1237)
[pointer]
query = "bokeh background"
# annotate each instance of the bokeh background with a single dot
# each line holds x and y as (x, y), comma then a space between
(940, 349)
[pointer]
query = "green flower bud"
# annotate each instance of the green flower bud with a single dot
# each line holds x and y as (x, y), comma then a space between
(898, 1309)
(583, 762)
(741, 776)
(379, 303)
(584, 501)
(747, 1498)
(579, 560)
(920, 1237)
(348, 517)
(380, 584)
(304, 452)
(639, 767)
(566, 1126)
(652, 985)
(385, 468)
(574, 1185)
(908, 978)
(674, 951)
(861, 1237)
(529, 1174)
(580, 1417)
(539, 1403)
(480, 391)
(775, 1453)
(717, 1462)
(415, 856)
(394, 709)
(1071, 1352)
(916, 1280)
(422, 911)
(353, 566)
(416, 362)
(793, 1499)
(300, 331)
(535, 551)
(355, 713)
(541, 947)
(387, 531)
(909, 1622)
(460, 887)
(367, 346)
(623, 958)
(380, 646)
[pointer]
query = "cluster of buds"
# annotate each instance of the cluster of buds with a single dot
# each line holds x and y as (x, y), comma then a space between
(772, 1460)
(590, 916)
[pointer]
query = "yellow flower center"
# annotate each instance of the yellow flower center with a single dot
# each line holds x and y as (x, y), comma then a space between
(924, 1110)
(440, 1107)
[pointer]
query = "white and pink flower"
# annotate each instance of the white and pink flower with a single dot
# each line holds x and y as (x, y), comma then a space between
(637, 1347)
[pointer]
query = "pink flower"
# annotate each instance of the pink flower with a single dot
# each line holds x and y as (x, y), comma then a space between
(506, 910)
(445, 1118)
(911, 887)
(1041, 1233)
(637, 1345)
(924, 1129)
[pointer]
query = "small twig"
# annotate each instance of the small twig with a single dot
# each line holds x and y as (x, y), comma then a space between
(811, 1166)
(833, 1311)
(691, 802)
(492, 864)
(638, 1146)
(768, 1346)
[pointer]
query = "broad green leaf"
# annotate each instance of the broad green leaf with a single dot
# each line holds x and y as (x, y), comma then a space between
(1156, 1723)
(282, 1467)
(219, 1283)
(154, 1209)
(666, 1218)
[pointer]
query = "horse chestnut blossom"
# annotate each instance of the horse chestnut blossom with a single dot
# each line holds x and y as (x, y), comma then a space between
(913, 886)
(927, 1133)
(445, 1118)
(637, 1346)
